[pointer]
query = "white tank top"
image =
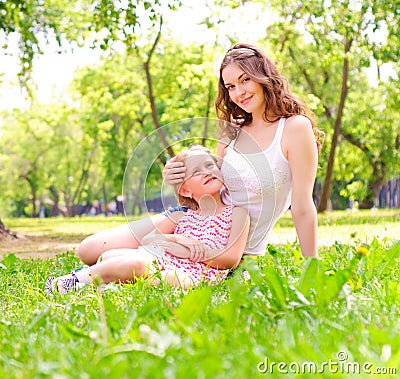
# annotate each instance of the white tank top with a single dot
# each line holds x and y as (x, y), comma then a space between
(260, 182)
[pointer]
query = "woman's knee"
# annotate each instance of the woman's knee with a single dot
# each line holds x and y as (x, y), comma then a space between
(83, 250)
(89, 250)
(124, 236)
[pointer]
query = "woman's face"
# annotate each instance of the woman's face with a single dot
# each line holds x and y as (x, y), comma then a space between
(244, 91)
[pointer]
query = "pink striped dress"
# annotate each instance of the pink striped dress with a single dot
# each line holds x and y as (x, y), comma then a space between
(213, 231)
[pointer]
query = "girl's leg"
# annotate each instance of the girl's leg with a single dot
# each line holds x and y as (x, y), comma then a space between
(114, 253)
(122, 265)
(176, 279)
(125, 236)
(125, 267)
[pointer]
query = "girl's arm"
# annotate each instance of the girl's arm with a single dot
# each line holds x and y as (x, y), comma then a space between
(163, 236)
(176, 244)
(300, 147)
(230, 256)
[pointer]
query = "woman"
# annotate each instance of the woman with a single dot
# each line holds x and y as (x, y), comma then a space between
(266, 132)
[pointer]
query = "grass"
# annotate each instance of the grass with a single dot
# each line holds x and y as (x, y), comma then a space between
(335, 314)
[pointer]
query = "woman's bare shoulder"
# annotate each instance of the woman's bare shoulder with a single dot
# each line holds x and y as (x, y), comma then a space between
(298, 122)
(298, 135)
(296, 127)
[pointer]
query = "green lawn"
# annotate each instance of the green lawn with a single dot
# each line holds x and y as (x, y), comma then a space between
(332, 317)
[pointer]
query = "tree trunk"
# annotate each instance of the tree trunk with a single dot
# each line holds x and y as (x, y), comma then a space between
(54, 206)
(326, 188)
(105, 199)
(136, 201)
(206, 122)
(378, 172)
(33, 193)
(5, 232)
(154, 114)
(373, 188)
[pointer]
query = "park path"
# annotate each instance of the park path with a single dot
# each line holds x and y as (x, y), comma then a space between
(36, 247)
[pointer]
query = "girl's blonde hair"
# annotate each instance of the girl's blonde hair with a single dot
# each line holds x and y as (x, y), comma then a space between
(180, 157)
(280, 102)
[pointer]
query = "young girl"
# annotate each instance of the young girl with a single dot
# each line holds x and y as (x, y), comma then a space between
(202, 243)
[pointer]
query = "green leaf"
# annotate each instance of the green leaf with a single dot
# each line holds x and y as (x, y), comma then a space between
(194, 305)
(310, 276)
(74, 331)
(9, 260)
(333, 286)
(276, 286)
(392, 255)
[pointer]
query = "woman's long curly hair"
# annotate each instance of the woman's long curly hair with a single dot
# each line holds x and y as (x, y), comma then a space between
(279, 100)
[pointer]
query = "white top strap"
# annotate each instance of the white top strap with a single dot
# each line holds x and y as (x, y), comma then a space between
(279, 130)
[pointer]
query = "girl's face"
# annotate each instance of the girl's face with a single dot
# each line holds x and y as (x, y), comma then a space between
(203, 176)
(244, 91)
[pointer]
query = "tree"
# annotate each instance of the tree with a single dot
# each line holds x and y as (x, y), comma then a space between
(328, 45)
(125, 22)
(376, 135)
(113, 100)
(36, 23)
(114, 109)
(25, 161)
(44, 151)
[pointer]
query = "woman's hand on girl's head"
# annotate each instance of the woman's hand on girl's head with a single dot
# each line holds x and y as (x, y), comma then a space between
(174, 172)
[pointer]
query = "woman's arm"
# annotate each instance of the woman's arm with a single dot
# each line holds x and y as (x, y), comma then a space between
(301, 151)
(230, 256)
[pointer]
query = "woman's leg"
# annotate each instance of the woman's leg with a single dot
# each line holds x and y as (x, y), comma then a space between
(125, 236)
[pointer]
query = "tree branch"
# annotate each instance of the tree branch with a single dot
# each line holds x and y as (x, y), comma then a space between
(150, 54)
(151, 95)
(355, 142)
(310, 83)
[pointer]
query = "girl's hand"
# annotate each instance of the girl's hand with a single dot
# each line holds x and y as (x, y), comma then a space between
(197, 249)
(198, 252)
(174, 172)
